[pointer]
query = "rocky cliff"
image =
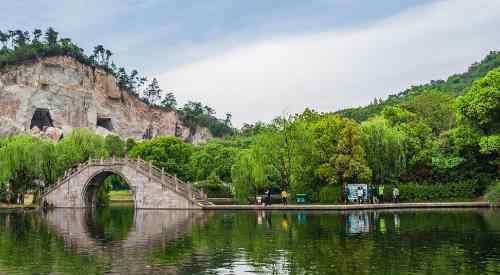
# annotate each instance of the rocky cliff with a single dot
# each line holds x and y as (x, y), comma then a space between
(54, 95)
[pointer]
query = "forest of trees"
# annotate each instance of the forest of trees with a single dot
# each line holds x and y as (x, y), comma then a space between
(19, 46)
(439, 141)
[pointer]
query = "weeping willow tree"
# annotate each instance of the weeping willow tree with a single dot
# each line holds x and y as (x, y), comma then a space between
(25, 160)
(242, 174)
(257, 169)
(21, 162)
(385, 149)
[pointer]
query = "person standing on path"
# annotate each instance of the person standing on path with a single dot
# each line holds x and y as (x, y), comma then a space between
(370, 191)
(284, 197)
(346, 194)
(381, 193)
(360, 194)
(395, 195)
(268, 197)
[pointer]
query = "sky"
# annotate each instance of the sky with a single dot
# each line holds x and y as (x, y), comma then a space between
(260, 59)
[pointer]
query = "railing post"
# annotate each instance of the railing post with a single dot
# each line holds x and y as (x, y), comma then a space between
(90, 160)
(150, 169)
(162, 175)
(102, 160)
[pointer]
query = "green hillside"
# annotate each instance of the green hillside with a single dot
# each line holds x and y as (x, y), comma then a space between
(455, 85)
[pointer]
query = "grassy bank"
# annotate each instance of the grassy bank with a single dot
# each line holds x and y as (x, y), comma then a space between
(120, 196)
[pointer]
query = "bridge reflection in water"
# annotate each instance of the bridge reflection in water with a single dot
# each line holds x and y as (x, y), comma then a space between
(119, 240)
(84, 232)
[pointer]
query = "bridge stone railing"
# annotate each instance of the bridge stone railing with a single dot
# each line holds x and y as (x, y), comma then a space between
(146, 168)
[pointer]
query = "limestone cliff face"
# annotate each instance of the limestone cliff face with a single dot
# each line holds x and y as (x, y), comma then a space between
(62, 93)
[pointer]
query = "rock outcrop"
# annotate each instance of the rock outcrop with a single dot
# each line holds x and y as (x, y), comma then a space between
(61, 93)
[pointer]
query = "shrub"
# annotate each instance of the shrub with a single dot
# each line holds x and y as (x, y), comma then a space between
(331, 194)
(467, 189)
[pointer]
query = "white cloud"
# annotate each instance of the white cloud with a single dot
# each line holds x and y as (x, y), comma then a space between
(330, 70)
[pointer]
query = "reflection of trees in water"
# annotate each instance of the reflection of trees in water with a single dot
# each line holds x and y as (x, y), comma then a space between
(29, 245)
(109, 224)
(191, 242)
(404, 241)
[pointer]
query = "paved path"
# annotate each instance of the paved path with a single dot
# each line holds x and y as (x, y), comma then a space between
(350, 206)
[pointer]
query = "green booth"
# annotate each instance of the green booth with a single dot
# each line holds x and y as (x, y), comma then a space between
(301, 198)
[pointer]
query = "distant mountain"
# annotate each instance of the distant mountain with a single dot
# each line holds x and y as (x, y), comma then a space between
(456, 85)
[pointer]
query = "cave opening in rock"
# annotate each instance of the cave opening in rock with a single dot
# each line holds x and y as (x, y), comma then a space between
(105, 122)
(41, 119)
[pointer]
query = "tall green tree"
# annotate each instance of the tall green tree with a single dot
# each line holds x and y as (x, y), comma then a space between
(385, 149)
(434, 108)
(169, 101)
(170, 153)
(479, 120)
(51, 36)
(114, 145)
(152, 94)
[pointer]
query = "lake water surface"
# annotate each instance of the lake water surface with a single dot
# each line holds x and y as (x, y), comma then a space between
(119, 240)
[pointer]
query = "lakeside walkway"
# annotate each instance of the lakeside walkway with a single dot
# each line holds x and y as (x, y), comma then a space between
(341, 207)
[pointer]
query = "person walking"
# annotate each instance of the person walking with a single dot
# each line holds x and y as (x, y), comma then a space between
(381, 193)
(268, 197)
(360, 194)
(395, 195)
(346, 194)
(369, 194)
(284, 197)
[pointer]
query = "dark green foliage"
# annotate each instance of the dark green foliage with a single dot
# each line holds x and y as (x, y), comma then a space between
(414, 192)
(213, 159)
(169, 102)
(170, 153)
(129, 144)
(115, 146)
(331, 194)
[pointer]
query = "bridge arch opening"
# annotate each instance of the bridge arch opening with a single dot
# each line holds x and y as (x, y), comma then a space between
(106, 187)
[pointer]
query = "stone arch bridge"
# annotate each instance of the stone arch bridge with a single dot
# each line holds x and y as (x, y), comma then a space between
(151, 187)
